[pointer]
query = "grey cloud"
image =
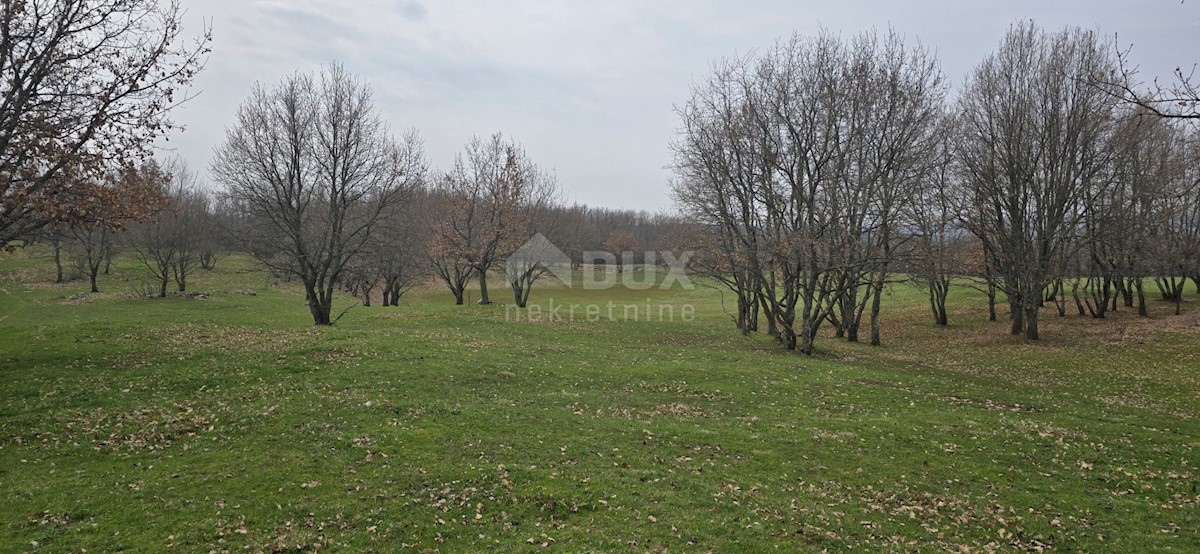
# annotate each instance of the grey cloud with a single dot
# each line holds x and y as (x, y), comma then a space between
(412, 10)
(589, 87)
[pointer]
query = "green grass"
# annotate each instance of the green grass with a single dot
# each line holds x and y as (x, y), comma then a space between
(231, 424)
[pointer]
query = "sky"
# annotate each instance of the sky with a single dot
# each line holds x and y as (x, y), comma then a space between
(589, 88)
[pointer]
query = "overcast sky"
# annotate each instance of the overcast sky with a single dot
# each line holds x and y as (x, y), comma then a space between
(589, 87)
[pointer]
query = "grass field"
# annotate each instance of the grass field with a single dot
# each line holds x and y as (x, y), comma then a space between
(231, 424)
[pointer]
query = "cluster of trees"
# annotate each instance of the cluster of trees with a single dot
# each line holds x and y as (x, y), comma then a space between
(812, 175)
(799, 164)
(321, 191)
(158, 213)
(817, 171)
(316, 187)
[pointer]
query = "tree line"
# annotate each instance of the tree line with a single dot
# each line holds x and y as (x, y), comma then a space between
(315, 187)
(810, 176)
(821, 169)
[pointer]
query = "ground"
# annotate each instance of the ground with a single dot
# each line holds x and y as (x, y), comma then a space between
(229, 423)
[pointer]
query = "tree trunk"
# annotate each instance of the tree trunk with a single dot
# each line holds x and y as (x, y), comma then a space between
(933, 303)
(162, 287)
(1078, 300)
(92, 276)
(743, 314)
(752, 323)
(1141, 298)
(1018, 317)
(875, 308)
(845, 310)
(518, 298)
(806, 341)
(1031, 323)
(58, 265)
(483, 287)
(789, 340)
(320, 305)
(991, 296)
(772, 325)
(939, 289)
(1060, 297)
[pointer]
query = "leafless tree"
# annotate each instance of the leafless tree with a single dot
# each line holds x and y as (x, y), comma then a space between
(1034, 136)
(1172, 253)
(56, 236)
(802, 161)
(542, 218)
(938, 249)
(394, 259)
(314, 168)
(1122, 214)
(91, 247)
(483, 220)
(84, 85)
(167, 245)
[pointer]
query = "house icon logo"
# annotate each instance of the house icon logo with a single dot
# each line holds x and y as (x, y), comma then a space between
(539, 255)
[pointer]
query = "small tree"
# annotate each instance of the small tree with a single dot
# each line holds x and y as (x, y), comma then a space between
(938, 250)
(90, 249)
(168, 244)
(483, 221)
(618, 243)
(314, 169)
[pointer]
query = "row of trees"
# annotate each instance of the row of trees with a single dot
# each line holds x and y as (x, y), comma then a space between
(816, 169)
(813, 172)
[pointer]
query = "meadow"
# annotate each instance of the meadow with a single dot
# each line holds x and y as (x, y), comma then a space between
(230, 423)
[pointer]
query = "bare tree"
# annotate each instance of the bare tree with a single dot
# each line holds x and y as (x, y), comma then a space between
(545, 227)
(1123, 213)
(483, 220)
(394, 259)
(90, 248)
(84, 85)
(56, 236)
(802, 161)
(449, 262)
(168, 244)
(939, 249)
(1172, 253)
(1034, 135)
(314, 168)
